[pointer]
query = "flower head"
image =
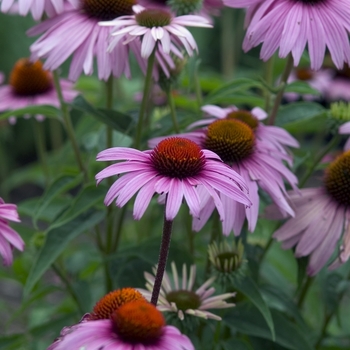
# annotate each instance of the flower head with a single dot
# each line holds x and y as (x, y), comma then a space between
(321, 216)
(159, 27)
(9, 238)
(181, 297)
(127, 323)
(175, 168)
(291, 24)
(76, 32)
(253, 150)
(29, 84)
(36, 7)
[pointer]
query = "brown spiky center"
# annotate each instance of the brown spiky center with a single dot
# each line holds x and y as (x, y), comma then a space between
(106, 10)
(105, 307)
(177, 157)
(29, 79)
(244, 116)
(151, 18)
(138, 322)
(231, 139)
(304, 74)
(184, 299)
(337, 179)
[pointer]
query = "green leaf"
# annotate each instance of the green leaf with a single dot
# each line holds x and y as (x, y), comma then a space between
(56, 241)
(235, 344)
(114, 119)
(244, 318)
(230, 88)
(302, 88)
(250, 289)
(47, 111)
(88, 197)
(59, 186)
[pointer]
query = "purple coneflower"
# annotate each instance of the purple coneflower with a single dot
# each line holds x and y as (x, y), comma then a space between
(36, 7)
(321, 216)
(174, 168)
(291, 24)
(181, 297)
(29, 84)
(122, 320)
(253, 150)
(76, 32)
(9, 238)
(156, 26)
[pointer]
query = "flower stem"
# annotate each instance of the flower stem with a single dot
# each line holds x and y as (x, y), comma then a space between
(278, 99)
(39, 135)
(304, 291)
(197, 86)
(227, 43)
(109, 105)
(56, 134)
(173, 110)
(163, 256)
(145, 97)
(318, 159)
(69, 126)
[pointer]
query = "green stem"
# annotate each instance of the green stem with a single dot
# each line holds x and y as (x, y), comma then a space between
(56, 134)
(288, 68)
(197, 86)
(326, 321)
(69, 126)
(215, 233)
(119, 228)
(318, 159)
(39, 135)
(227, 43)
(69, 287)
(145, 97)
(173, 110)
(109, 105)
(304, 291)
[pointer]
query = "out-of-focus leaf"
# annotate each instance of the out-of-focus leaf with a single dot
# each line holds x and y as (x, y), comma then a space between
(235, 344)
(62, 184)
(247, 319)
(47, 111)
(302, 88)
(114, 119)
(330, 290)
(250, 289)
(56, 241)
(228, 89)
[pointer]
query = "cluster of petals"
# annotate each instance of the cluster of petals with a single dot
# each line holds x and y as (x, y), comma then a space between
(291, 24)
(75, 33)
(9, 238)
(101, 334)
(169, 37)
(36, 7)
(142, 177)
(204, 293)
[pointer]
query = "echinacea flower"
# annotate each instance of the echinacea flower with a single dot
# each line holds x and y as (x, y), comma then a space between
(29, 84)
(156, 26)
(175, 168)
(181, 297)
(126, 322)
(321, 216)
(9, 238)
(36, 7)
(291, 24)
(76, 32)
(345, 129)
(253, 150)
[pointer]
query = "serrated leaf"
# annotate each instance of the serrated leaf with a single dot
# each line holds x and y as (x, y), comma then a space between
(47, 111)
(59, 186)
(114, 119)
(228, 89)
(302, 88)
(248, 320)
(56, 241)
(88, 197)
(250, 289)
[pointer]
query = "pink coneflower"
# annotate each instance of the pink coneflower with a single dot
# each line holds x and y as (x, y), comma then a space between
(338, 89)
(253, 150)
(76, 32)
(345, 129)
(291, 24)
(123, 320)
(9, 238)
(182, 298)
(156, 26)
(174, 168)
(36, 7)
(30, 84)
(321, 216)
